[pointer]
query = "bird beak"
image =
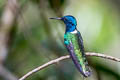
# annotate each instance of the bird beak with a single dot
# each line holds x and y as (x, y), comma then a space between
(58, 18)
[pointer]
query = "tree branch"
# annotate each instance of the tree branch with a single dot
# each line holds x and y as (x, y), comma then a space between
(66, 57)
(7, 20)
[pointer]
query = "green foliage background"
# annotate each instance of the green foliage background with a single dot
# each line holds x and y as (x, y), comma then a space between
(36, 39)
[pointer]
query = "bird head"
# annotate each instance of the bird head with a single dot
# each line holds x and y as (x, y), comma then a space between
(69, 21)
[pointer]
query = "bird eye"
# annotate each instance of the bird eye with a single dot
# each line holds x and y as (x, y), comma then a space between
(72, 24)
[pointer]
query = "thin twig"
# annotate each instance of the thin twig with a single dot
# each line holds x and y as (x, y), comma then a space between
(103, 56)
(66, 57)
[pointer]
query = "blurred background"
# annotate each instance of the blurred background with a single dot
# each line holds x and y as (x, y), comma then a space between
(28, 38)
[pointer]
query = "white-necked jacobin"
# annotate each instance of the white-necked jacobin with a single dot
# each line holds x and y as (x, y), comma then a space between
(74, 44)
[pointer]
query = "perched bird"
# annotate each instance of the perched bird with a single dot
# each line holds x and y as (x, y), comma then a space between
(74, 44)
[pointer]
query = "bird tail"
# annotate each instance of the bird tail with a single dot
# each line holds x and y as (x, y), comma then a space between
(81, 64)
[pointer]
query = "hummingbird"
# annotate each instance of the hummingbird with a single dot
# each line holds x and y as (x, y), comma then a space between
(74, 44)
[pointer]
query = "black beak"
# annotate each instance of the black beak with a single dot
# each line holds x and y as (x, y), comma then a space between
(58, 18)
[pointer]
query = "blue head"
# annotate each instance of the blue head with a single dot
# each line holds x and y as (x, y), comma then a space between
(69, 21)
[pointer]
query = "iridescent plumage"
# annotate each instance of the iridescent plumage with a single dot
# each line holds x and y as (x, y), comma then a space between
(74, 45)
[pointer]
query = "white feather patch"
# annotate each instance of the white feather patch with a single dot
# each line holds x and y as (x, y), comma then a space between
(74, 32)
